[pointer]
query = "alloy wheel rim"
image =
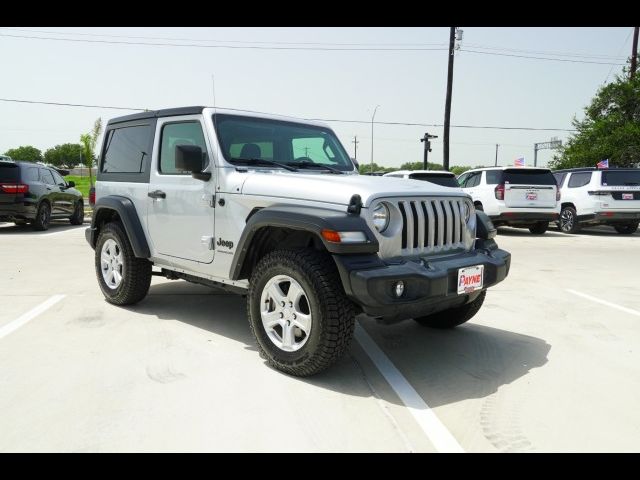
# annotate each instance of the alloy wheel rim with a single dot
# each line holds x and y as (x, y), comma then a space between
(111, 264)
(285, 313)
(566, 220)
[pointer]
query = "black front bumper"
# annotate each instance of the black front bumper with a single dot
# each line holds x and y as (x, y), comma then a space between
(523, 218)
(430, 283)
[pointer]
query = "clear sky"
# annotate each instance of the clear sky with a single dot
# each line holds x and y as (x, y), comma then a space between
(409, 85)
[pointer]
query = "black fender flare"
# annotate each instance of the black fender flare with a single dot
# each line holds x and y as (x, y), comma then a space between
(309, 219)
(129, 217)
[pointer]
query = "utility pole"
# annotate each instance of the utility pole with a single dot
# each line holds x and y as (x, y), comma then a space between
(427, 148)
(447, 105)
(372, 117)
(634, 53)
(497, 154)
(355, 142)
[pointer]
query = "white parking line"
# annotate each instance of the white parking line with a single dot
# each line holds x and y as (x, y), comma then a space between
(604, 302)
(433, 428)
(30, 315)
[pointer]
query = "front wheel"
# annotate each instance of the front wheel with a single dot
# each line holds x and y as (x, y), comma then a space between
(298, 312)
(78, 214)
(568, 222)
(626, 229)
(454, 316)
(539, 228)
(123, 278)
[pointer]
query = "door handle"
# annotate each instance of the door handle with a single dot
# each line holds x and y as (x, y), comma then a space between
(157, 194)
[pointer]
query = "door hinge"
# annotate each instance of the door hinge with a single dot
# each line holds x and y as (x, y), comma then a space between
(212, 201)
(208, 241)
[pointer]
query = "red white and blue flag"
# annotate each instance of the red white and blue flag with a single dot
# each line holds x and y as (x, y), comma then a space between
(519, 162)
(603, 163)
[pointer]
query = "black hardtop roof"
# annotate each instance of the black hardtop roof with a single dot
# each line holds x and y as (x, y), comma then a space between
(592, 169)
(166, 112)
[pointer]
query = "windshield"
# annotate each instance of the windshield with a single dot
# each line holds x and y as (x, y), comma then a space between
(620, 178)
(444, 180)
(520, 176)
(246, 138)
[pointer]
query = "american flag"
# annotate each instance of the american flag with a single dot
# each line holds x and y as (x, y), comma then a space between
(519, 162)
(603, 163)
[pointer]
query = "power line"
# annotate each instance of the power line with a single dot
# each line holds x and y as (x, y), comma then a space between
(252, 47)
(539, 58)
(222, 41)
(368, 122)
(560, 54)
(619, 50)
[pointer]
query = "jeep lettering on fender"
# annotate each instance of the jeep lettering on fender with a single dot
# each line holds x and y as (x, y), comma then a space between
(308, 241)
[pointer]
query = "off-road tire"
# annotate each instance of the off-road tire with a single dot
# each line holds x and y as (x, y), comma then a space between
(43, 217)
(136, 272)
(539, 228)
(333, 314)
(627, 228)
(78, 214)
(575, 225)
(454, 316)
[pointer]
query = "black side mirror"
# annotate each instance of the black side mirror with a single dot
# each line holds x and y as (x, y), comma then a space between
(190, 158)
(71, 184)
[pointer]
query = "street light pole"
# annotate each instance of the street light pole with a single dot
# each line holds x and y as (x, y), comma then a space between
(372, 117)
(497, 154)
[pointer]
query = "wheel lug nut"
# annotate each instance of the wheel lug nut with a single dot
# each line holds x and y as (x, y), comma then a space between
(294, 316)
(291, 304)
(281, 315)
(282, 304)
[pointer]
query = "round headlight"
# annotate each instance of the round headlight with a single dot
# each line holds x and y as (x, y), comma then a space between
(381, 217)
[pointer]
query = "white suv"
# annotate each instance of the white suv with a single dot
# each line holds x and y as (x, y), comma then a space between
(439, 177)
(514, 196)
(599, 197)
(274, 209)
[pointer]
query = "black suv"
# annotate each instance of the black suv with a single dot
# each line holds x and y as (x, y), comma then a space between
(36, 194)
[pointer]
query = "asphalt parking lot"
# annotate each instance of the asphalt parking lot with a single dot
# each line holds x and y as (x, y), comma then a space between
(551, 363)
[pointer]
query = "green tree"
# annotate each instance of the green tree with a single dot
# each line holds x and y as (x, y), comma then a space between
(610, 128)
(89, 141)
(366, 168)
(26, 153)
(65, 155)
(459, 170)
(420, 166)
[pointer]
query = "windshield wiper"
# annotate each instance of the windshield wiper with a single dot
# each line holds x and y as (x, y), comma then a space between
(257, 161)
(308, 164)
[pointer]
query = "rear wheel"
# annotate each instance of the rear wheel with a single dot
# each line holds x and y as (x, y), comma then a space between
(626, 229)
(123, 278)
(454, 316)
(568, 222)
(78, 214)
(43, 217)
(298, 312)
(539, 228)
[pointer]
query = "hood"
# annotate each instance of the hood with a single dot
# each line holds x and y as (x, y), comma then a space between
(337, 189)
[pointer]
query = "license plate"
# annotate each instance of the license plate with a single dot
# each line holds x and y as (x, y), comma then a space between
(532, 195)
(470, 279)
(627, 196)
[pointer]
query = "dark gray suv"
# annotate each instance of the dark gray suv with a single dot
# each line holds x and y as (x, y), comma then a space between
(36, 194)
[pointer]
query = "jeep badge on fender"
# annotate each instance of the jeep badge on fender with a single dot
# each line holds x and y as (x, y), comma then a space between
(307, 259)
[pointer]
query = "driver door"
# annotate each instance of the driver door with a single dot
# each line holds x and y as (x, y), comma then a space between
(180, 215)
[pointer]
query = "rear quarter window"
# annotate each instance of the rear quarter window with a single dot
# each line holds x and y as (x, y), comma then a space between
(579, 179)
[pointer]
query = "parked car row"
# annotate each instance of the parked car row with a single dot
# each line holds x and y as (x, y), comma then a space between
(534, 197)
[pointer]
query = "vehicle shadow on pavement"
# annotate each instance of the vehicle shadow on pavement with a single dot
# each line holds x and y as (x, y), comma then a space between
(603, 232)
(524, 232)
(54, 226)
(471, 361)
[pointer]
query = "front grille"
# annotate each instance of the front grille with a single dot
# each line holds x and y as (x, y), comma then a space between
(430, 225)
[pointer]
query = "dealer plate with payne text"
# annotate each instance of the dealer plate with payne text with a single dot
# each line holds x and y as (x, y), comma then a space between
(470, 279)
(627, 196)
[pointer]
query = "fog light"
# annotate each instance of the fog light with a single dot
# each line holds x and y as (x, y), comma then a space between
(399, 288)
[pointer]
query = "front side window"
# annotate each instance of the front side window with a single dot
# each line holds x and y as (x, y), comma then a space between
(579, 179)
(45, 175)
(58, 179)
(125, 149)
(246, 139)
(473, 180)
(179, 133)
